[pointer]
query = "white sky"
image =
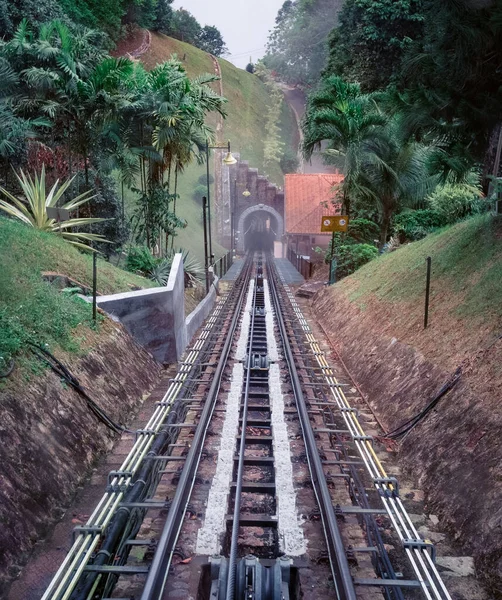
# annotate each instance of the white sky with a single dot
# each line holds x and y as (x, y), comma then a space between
(244, 24)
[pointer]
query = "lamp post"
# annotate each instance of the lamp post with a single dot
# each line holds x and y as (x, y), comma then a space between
(232, 219)
(228, 160)
(206, 258)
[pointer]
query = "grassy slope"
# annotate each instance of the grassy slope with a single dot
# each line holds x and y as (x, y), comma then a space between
(465, 291)
(244, 126)
(31, 309)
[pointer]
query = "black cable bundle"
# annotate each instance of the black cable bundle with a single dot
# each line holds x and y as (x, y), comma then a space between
(62, 371)
(406, 427)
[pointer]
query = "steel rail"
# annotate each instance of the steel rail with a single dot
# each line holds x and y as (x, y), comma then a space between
(159, 570)
(421, 561)
(341, 572)
(85, 543)
(232, 562)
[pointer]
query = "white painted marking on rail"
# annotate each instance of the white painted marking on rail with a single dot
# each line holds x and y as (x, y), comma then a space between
(273, 352)
(291, 538)
(210, 534)
(242, 343)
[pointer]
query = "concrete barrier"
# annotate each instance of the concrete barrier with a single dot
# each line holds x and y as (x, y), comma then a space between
(155, 318)
(197, 317)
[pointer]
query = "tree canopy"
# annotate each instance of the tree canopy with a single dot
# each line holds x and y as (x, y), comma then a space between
(70, 109)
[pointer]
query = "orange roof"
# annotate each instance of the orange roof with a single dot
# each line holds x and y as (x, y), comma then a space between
(303, 197)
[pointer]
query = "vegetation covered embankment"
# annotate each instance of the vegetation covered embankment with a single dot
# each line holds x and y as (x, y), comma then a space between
(33, 310)
(375, 318)
(245, 125)
(50, 438)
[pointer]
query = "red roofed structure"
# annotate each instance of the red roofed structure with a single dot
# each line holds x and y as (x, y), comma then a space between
(308, 198)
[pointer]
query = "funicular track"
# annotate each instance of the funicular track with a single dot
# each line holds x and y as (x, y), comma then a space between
(363, 476)
(250, 564)
(100, 548)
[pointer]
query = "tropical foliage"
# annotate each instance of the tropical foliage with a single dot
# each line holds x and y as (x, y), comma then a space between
(298, 45)
(141, 261)
(406, 99)
(69, 110)
(182, 25)
(34, 212)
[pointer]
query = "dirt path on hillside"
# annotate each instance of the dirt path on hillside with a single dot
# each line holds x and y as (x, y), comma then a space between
(134, 45)
(297, 101)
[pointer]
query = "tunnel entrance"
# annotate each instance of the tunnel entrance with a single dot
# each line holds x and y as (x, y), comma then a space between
(260, 231)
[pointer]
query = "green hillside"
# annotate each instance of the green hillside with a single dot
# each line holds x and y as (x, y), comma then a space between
(466, 288)
(31, 309)
(244, 126)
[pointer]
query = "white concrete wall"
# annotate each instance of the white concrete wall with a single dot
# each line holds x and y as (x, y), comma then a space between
(155, 317)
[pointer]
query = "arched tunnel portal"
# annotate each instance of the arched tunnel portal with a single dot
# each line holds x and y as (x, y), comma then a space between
(258, 228)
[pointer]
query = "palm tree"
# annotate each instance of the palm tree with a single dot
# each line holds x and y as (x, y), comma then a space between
(349, 120)
(171, 131)
(395, 169)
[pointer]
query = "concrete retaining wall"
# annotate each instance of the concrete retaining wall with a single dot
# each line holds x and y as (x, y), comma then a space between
(197, 317)
(155, 318)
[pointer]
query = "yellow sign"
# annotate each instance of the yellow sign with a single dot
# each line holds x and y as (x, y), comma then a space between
(336, 223)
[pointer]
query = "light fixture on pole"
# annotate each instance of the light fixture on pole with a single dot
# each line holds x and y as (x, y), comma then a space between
(228, 160)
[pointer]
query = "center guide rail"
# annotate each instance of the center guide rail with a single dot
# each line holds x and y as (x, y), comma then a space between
(420, 553)
(101, 546)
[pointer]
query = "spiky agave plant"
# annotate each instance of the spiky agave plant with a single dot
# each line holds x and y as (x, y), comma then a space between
(33, 211)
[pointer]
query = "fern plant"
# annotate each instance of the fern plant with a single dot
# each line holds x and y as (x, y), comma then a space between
(33, 210)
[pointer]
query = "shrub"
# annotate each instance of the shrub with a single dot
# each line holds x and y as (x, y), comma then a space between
(416, 224)
(289, 162)
(203, 180)
(351, 257)
(363, 231)
(199, 192)
(106, 204)
(455, 201)
(140, 260)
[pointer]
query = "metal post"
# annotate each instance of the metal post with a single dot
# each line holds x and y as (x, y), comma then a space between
(427, 292)
(94, 284)
(232, 218)
(206, 251)
(208, 201)
(332, 265)
(496, 165)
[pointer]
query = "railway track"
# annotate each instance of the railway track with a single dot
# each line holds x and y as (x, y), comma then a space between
(216, 502)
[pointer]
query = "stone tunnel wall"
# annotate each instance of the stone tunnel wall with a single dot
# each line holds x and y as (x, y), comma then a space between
(237, 179)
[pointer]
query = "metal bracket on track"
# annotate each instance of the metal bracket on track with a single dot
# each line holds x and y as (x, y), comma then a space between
(253, 579)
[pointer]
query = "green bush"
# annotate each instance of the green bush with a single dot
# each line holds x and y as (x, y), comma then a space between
(351, 257)
(203, 180)
(363, 231)
(289, 162)
(140, 260)
(454, 202)
(199, 192)
(416, 224)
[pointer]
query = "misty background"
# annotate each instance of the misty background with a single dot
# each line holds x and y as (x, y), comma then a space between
(244, 25)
